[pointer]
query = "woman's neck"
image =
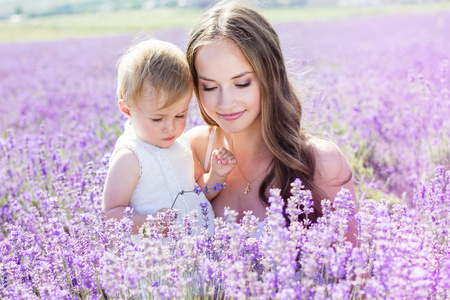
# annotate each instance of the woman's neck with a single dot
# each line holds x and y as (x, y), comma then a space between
(248, 146)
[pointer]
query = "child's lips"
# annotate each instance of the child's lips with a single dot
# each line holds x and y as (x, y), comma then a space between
(232, 116)
(169, 138)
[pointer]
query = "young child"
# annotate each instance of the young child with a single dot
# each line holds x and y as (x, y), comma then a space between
(152, 160)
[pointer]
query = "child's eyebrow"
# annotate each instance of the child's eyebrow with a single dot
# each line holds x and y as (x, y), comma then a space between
(183, 111)
(162, 115)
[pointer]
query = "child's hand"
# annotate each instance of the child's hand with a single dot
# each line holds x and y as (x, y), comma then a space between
(222, 162)
(166, 218)
(162, 210)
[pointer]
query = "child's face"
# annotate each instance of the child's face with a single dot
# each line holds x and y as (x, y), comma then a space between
(159, 127)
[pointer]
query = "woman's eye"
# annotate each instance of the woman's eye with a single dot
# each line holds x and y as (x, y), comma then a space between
(180, 116)
(208, 89)
(243, 85)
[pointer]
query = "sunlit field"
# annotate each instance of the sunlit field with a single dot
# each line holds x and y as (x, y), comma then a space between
(377, 84)
(145, 21)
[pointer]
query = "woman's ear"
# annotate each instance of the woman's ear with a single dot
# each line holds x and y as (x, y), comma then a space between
(124, 109)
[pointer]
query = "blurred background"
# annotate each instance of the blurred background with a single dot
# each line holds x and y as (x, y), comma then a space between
(55, 7)
(49, 19)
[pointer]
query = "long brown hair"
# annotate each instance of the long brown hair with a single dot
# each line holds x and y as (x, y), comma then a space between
(281, 109)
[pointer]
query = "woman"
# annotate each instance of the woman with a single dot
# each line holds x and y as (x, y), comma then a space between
(246, 98)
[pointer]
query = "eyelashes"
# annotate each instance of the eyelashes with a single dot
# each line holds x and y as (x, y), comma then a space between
(160, 119)
(210, 89)
(243, 85)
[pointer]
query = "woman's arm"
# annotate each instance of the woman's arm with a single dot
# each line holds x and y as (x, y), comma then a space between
(121, 180)
(198, 137)
(332, 173)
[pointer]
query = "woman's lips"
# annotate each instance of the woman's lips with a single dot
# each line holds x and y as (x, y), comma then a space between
(233, 116)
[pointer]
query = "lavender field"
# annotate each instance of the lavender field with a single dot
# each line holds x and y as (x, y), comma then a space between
(378, 86)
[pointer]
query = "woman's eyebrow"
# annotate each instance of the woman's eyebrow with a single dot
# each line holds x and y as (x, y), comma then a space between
(234, 77)
(205, 79)
(242, 74)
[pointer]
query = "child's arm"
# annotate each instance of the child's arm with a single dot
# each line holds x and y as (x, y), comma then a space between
(222, 163)
(122, 178)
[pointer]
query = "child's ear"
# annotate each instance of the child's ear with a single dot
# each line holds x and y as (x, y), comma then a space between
(124, 109)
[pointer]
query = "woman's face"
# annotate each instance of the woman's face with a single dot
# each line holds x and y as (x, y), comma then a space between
(229, 89)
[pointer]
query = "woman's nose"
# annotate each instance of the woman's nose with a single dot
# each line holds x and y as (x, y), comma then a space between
(226, 99)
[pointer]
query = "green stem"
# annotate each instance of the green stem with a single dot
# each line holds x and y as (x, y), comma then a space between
(180, 193)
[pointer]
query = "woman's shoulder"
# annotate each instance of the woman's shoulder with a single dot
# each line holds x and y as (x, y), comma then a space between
(331, 164)
(198, 136)
(323, 147)
(198, 132)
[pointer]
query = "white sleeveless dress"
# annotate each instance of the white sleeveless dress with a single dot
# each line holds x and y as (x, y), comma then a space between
(164, 172)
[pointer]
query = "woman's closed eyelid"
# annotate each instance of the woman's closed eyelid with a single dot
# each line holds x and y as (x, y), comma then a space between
(242, 85)
(208, 89)
(239, 85)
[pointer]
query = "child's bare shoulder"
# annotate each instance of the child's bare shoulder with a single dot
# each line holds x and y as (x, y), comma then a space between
(124, 157)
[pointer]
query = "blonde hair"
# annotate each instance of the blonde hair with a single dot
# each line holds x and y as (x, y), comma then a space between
(281, 110)
(159, 64)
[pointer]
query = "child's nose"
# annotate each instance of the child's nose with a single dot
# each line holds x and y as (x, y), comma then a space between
(170, 126)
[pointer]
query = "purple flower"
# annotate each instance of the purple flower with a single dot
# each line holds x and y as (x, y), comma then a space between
(197, 190)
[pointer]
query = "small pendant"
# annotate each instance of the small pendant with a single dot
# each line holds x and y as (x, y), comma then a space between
(247, 188)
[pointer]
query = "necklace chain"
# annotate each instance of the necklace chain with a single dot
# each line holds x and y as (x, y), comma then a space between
(247, 187)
